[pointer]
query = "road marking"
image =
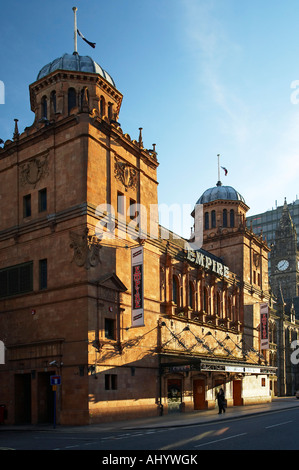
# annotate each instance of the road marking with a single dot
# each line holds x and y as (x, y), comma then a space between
(219, 440)
(278, 424)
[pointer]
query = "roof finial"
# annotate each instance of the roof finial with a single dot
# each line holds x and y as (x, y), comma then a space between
(16, 134)
(75, 31)
(140, 138)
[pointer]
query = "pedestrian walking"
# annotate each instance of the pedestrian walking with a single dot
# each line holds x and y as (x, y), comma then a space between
(221, 401)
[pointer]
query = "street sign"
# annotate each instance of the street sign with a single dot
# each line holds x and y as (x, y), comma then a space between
(55, 379)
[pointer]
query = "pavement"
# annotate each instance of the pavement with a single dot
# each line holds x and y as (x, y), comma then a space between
(168, 420)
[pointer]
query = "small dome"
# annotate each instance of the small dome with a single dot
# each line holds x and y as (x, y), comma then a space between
(219, 192)
(76, 63)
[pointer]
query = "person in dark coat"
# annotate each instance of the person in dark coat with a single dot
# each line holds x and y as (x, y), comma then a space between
(221, 401)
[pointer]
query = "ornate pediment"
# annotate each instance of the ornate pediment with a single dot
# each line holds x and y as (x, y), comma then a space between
(112, 281)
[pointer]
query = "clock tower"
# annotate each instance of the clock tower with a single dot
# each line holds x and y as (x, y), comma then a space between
(284, 259)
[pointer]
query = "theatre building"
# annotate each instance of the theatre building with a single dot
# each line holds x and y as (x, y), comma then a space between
(100, 307)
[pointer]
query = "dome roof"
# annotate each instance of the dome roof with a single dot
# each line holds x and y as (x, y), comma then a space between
(220, 192)
(76, 63)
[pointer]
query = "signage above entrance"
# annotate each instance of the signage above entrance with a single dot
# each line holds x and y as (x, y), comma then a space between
(207, 263)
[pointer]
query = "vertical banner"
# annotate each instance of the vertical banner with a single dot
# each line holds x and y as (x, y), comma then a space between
(264, 312)
(137, 286)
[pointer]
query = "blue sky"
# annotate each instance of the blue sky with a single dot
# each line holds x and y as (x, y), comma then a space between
(201, 77)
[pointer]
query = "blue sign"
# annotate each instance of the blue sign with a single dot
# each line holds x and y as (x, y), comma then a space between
(55, 379)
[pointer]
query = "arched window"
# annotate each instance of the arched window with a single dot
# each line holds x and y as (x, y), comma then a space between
(218, 310)
(224, 221)
(206, 220)
(191, 295)
(53, 101)
(232, 217)
(102, 107)
(72, 102)
(213, 219)
(84, 97)
(44, 107)
(110, 110)
(175, 290)
(229, 312)
(205, 300)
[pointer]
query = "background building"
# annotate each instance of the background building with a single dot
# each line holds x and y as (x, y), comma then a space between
(280, 228)
(267, 222)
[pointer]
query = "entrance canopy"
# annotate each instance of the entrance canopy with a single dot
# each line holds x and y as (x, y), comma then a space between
(174, 364)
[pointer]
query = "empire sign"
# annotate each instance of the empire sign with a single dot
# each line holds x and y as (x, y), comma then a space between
(206, 262)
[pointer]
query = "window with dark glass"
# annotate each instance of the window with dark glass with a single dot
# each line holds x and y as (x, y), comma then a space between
(175, 290)
(43, 274)
(53, 101)
(110, 110)
(224, 222)
(132, 209)
(232, 218)
(72, 101)
(205, 300)
(110, 382)
(16, 279)
(44, 107)
(206, 220)
(102, 106)
(213, 219)
(109, 328)
(27, 205)
(42, 200)
(191, 295)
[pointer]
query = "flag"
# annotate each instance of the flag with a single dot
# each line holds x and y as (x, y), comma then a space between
(92, 44)
(225, 170)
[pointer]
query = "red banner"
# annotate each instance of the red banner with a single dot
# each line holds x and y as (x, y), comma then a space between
(137, 286)
(264, 326)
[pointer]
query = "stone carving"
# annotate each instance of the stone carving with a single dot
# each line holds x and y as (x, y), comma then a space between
(86, 249)
(256, 259)
(34, 170)
(126, 174)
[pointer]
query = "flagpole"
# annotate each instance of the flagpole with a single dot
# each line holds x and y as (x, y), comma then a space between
(218, 167)
(75, 30)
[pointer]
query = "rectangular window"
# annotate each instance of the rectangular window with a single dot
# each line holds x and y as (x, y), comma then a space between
(27, 205)
(132, 209)
(43, 274)
(110, 382)
(120, 203)
(109, 328)
(42, 200)
(16, 280)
